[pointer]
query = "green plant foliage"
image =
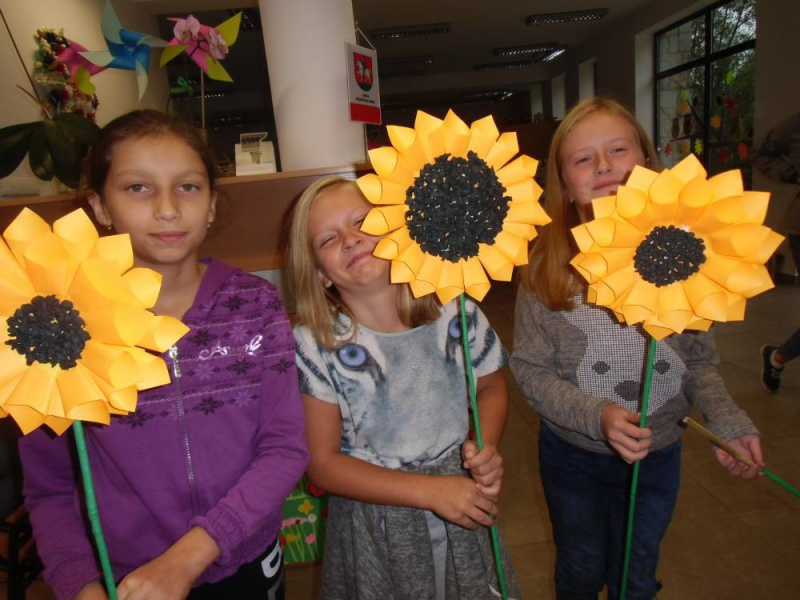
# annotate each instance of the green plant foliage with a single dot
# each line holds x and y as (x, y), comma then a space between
(54, 147)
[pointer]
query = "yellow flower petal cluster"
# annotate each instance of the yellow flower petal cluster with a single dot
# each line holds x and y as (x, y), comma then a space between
(718, 211)
(72, 263)
(396, 169)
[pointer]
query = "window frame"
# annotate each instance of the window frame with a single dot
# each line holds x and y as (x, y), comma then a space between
(707, 61)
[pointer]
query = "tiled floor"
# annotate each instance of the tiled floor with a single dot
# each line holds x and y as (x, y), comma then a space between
(729, 539)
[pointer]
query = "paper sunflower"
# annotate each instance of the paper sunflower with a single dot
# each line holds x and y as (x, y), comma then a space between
(676, 250)
(456, 211)
(76, 324)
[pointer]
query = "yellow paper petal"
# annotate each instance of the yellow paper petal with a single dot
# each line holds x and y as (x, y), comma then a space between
(12, 364)
(49, 266)
(739, 240)
(502, 151)
(96, 284)
(641, 302)
(405, 268)
(688, 169)
(114, 364)
(451, 281)
(483, 134)
(456, 135)
(15, 286)
(497, 264)
(633, 206)
(664, 193)
(153, 368)
(393, 244)
(612, 233)
(390, 166)
(695, 198)
(513, 247)
(476, 283)
(122, 400)
(641, 179)
(25, 229)
(524, 191)
(523, 167)
(32, 391)
(727, 184)
(162, 333)
(379, 191)
(408, 144)
(431, 131)
(604, 207)
(141, 287)
(119, 324)
(383, 219)
(77, 388)
(77, 233)
(116, 248)
(706, 297)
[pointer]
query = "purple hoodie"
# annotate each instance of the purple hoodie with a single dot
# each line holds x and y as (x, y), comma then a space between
(220, 447)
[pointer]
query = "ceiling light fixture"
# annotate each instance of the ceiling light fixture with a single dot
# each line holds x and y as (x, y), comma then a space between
(517, 64)
(406, 60)
(395, 74)
(567, 17)
(409, 31)
(487, 95)
(525, 50)
(555, 54)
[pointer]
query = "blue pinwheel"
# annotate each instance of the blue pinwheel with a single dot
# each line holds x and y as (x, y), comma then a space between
(126, 49)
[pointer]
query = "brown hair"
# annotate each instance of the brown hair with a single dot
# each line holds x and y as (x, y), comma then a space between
(548, 273)
(139, 124)
(318, 307)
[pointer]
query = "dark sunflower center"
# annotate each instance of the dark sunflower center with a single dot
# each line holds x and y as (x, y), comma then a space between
(669, 254)
(454, 205)
(48, 331)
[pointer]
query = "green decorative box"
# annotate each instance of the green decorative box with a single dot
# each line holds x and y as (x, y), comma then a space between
(303, 528)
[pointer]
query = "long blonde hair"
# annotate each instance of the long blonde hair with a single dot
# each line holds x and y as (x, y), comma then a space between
(548, 273)
(318, 307)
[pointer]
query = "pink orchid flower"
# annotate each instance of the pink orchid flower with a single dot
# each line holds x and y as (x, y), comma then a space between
(216, 44)
(187, 29)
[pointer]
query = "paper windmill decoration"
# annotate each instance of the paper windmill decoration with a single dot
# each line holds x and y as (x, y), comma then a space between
(126, 49)
(76, 325)
(456, 211)
(205, 45)
(675, 250)
(80, 69)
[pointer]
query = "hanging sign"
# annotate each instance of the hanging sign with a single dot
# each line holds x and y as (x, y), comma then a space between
(362, 84)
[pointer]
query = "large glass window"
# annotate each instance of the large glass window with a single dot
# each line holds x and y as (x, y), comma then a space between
(705, 87)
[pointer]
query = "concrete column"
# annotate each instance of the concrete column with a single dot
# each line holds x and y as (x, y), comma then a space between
(304, 42)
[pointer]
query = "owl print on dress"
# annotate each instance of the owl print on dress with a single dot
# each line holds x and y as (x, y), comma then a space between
(613, 363)
(388, 384)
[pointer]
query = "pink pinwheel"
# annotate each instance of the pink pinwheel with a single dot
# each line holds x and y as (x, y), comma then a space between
(80, 69)
(205, 45)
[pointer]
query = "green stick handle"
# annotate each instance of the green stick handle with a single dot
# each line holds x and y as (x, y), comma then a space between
(94, 512)
(648, 377)
(473, 400)
(720, 443)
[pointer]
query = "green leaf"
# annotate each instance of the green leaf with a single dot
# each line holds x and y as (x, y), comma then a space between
(685, 95)
(65, 161)
(77, 126)
(39, 155)
(729, 77)
(14, 144)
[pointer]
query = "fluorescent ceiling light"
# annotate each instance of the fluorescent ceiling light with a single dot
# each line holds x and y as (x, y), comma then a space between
(396, 74)
(525, 50)
(567, 17)
(409, 31)
(487, 95)
(406, 60)
(554, 54)
(517, 64)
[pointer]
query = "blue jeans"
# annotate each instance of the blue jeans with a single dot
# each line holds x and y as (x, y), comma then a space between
(588, 495)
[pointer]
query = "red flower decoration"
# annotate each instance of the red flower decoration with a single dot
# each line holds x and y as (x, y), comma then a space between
(314, 490)
(282, 541)
(722, 155)
(742, 150)
(668, 149)
(731, 104)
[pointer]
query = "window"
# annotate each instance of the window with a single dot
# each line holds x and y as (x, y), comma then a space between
(705, 87)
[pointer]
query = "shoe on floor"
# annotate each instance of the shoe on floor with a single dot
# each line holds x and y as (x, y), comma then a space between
(770, 374)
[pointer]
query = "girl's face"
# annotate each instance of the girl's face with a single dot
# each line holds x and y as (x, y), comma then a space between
(343, 251)
(158, 192)
(597, 156)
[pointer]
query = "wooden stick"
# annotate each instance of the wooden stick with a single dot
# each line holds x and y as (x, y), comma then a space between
(717, 441)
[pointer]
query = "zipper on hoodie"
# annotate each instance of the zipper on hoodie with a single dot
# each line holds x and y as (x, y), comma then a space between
(176, 371)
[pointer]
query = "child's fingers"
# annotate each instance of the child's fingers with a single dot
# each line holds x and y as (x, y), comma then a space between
(468, 450)
(491, 491)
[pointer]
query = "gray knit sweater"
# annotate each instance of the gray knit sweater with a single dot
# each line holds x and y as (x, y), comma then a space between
(560, 363)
